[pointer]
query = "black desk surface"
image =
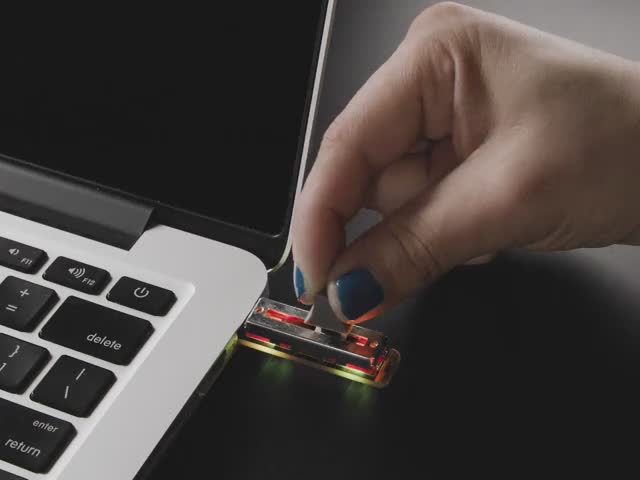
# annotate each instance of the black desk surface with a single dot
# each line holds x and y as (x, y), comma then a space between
(508, 368)
(511, 361)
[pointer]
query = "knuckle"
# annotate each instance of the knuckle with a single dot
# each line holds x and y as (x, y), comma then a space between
(414, 251)
(441, 11)
(460, 26)
(335, 134)
(448, 31)
(436, 49)
(449, 9)
(340, 136)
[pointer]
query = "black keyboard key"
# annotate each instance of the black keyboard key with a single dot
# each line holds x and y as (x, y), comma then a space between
(9, 476)
(74, 386)
(24, 304)
(30, 439)
(77, 275)
(21, 257)
(96, 330)
(20, 362)
(142, 296)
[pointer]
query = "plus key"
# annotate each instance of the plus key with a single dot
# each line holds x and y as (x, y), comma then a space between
(24, 304)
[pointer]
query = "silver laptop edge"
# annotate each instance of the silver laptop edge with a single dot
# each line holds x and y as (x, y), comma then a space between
(308, 136)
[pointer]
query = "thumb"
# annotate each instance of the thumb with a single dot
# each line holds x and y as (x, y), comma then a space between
(474, 211)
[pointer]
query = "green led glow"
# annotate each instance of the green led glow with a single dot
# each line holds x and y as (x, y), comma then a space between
(360, 399)
(262, 342)
(230, 348)
(349, 374)
(354, 371)
(276, 370)
(360, 378)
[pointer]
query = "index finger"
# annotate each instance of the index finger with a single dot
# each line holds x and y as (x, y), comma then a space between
(378, 126)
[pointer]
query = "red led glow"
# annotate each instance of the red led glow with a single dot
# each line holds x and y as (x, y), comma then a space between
(257, 337)
(360, 340)
(285, 317)
(368, 371)
(285, 346)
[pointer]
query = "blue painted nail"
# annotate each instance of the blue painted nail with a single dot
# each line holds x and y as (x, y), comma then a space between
(358, 293)
(298, 282)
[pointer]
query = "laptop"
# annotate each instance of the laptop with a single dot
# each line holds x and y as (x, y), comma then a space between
(149, 165)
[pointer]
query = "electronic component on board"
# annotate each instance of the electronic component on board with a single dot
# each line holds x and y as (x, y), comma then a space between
(361, 355)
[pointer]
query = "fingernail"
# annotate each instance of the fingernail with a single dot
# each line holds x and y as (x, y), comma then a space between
(298, 283)
(358, 293)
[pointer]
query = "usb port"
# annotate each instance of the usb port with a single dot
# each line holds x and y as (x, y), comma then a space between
(279, 329)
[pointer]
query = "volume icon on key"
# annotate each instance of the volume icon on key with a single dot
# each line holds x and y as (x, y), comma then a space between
(18, 256)
(77, 272)
(77, 275)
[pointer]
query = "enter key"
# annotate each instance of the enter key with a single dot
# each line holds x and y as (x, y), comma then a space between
(30, 439)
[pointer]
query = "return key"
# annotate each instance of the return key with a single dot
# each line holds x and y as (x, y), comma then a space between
(30, 439)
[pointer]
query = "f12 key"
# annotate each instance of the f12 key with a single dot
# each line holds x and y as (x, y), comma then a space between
(77, 275)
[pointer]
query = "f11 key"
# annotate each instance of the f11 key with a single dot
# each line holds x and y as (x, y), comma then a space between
(21, 257)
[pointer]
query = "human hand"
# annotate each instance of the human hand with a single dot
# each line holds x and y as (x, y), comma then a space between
(534, 143)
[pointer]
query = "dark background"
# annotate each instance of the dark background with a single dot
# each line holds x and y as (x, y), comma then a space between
(527, 366)
(191, 108)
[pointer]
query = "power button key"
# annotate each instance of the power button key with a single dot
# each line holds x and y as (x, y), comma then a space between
(142, 296)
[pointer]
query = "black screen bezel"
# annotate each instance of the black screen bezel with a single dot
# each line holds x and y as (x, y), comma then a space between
(270, 248)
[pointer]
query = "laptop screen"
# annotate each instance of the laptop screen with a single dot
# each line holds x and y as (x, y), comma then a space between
(200, 111)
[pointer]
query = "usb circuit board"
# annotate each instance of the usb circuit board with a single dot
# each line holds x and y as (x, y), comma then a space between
(362, 355)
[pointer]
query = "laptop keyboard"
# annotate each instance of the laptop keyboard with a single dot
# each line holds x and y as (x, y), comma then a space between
(97, 331)
(20, 363)
(142, 296)
(74, 386)
(23, 304)
(31, 439)
(20, 257)
(77, 275)
(9, 476)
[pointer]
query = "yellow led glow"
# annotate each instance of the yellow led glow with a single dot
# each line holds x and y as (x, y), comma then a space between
(381, 380)
(230, 348)
(353, 370)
